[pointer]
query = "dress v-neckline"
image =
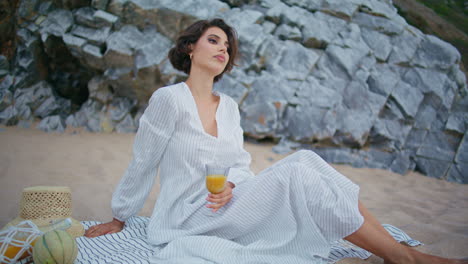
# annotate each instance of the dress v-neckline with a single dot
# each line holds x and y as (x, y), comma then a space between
(198, 115)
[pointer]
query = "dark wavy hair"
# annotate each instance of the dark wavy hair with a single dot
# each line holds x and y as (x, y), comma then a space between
(179, 55)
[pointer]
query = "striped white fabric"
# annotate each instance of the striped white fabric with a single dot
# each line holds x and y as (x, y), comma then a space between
(131, 247)
(291, 212)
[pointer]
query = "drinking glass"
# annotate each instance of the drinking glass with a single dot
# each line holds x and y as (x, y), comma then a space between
(216, 177)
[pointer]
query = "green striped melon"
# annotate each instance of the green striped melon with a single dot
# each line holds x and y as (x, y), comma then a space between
(55, 247)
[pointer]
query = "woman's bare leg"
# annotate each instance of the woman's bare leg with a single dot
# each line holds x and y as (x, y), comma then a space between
(372, 237)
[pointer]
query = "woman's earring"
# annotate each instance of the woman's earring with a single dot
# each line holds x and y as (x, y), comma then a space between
(190, 56)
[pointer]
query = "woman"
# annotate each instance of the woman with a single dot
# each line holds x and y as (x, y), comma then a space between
(290, 212)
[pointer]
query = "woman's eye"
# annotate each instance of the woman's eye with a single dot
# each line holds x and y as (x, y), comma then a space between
(212, 41)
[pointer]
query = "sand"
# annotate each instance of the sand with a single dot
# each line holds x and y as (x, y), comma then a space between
(91, 164)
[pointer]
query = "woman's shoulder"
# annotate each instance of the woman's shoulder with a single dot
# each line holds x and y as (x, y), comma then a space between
(168, 91)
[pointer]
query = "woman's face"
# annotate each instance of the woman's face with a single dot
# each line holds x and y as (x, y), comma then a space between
(210, 51)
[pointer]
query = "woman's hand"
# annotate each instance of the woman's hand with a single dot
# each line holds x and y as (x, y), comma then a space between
(220, 199)
(111, 227)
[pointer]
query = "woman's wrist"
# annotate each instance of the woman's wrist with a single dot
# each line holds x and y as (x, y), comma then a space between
(122, 223)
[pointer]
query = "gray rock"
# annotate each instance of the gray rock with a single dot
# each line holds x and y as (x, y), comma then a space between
(339, 156)
(285, 146)
(381, 24)
(295, 16)
(104, 19)
(353, 126)
(458, 118)
(153, 52)
(375, 158)
(195, 8)
(392, 130)
(285, 32)
(275, 11)
(426, 115)
(57, 23)
(100, 4)
(379, 43)
(84, 16)
(311, 92)
(93, 57)
(268, 52)
(311, 5)
(99, 90)
(295, 62)
(6, 99)
(458, 122)
(232, 87)
(4, 66)
(49, 107)
(262, 119)
(52, 124)
(439, 146)
(268, 27)
(356, 92)
(276, 90)
(9, 116)
(379, 8)
(73, 120)
(74, 43)
(7, 83)
(308, 122)
(432, 168)
(349, 51)
(251, 34)
(331, 74)
(27, 9)
(435, 53)
(95, 36)
(45, 8)
(426, 80)
(340, 8)
(119, 108)
(169, 75)
(383, 79)
(441, 119)
(321, 29)
(33, 96)
(127, 125)
(457, 173)
(408, 98)
(462, 151)
(404, 46)
(121, 45)
(23, 112)
(402, 163)
(92, 18)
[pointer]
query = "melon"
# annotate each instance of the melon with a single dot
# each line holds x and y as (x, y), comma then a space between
(55, 247)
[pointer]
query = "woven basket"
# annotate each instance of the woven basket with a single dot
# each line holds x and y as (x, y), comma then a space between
(45, 205)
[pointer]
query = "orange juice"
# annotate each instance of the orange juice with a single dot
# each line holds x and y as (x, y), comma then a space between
(12, 251)
(215, 183)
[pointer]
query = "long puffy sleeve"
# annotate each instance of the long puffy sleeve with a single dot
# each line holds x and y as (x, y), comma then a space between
(240, 171)
(156, 127)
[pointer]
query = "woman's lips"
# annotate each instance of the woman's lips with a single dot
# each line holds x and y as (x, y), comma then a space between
(220, 58)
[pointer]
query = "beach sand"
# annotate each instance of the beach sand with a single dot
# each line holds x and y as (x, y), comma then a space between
(91, 164)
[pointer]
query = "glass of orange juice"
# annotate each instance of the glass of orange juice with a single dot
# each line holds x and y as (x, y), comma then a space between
(216, 177)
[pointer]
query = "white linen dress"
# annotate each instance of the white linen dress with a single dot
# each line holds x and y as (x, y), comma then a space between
(290, 212)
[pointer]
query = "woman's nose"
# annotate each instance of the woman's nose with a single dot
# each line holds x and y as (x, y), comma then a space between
(223, 48)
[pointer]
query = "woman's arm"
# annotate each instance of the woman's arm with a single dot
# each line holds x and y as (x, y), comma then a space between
(156, 127)
(240, 171)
